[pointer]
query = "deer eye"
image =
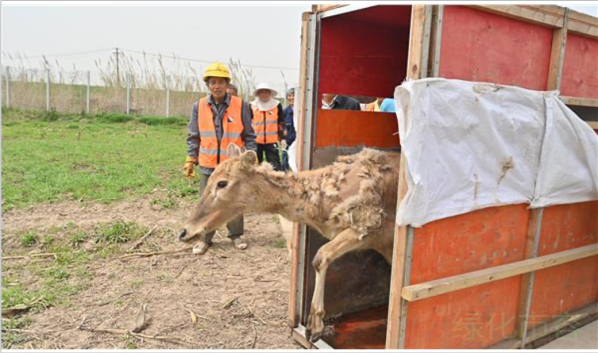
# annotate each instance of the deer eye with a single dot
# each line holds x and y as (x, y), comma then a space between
(222, 184)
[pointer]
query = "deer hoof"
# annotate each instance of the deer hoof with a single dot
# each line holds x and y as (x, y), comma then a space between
(315, 326)
(201, 248)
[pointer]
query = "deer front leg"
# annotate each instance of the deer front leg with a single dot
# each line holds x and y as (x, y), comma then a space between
(344, 242)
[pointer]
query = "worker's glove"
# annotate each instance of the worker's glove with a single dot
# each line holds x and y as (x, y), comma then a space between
(283, 144)
(189, 168)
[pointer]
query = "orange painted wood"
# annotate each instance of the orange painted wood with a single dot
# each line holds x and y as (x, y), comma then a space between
(481, 46)
(475, 317)
(570, 286)
(580, 70)
(350, 128)
(363, 330)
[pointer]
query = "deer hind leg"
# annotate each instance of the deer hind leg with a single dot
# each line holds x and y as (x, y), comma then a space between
(344, 242)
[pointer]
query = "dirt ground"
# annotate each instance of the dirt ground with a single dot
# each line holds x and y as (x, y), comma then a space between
(238, 299)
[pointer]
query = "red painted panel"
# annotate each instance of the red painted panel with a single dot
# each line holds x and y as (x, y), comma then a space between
(479, 46)
(580, 69)
(362, 330)
(475, 317)
(364, 53)
(570, 286)
(348, 128)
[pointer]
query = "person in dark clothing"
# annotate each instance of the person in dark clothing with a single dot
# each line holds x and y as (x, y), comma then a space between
(268, 124)
(289, 129)
(337, 102)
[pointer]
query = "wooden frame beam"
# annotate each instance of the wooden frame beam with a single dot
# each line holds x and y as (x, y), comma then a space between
(397, 305)
(303, 100)
(551, 16)
(532, 242)
(557, 55)
(580, 101)
(325, 7)
(453, 283)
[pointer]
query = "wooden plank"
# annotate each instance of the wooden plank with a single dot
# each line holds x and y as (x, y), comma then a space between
(399, 255)
(294, 313)
(396, 303)
(557, 56)
(532, 14)
(550, 327)
(583, 24)
(450, 284)
(325, 7)
(580, 101)
(547, 15)
(436, 40)
(532, 241)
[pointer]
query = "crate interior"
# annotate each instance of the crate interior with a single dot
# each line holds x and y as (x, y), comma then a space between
(362, 53)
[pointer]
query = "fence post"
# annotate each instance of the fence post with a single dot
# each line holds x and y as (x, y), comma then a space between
(48, 89)
(167, 102)
(88, 92)
(128, 94)
(7, 78)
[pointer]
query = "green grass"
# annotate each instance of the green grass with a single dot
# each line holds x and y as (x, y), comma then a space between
(28, 239)
(50, 157)
(280, 243)
(119, 232)
(53, 282)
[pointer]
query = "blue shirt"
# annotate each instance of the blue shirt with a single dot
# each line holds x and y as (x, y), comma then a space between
(388, 105)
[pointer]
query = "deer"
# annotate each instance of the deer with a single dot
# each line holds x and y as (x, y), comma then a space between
(351, 202)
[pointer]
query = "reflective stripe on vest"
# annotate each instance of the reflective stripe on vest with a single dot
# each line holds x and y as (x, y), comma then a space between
(211, 151)
(265, 125)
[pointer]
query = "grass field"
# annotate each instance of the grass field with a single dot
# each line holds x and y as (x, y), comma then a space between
(50, 157)
(63, 272)
(47, 156)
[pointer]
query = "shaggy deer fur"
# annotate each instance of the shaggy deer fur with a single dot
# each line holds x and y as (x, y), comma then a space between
(351, 202)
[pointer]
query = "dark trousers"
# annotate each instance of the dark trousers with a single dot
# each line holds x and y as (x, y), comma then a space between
(285, 160)
(271, 151)
(235, 227)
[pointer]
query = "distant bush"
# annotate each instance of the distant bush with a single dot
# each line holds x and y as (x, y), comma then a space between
(113, 118)
(155, 120)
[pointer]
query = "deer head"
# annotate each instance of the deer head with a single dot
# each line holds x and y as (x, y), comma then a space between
(228, 193)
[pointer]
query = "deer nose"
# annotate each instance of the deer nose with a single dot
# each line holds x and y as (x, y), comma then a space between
(182, 233)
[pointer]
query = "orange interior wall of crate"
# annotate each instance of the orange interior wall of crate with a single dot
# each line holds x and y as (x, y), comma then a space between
(350, 128)
(484, 47)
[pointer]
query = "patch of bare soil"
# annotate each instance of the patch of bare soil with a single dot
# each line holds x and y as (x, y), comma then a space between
(226, 298)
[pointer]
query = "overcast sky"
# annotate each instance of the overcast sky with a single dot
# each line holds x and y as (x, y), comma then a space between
(266, 35)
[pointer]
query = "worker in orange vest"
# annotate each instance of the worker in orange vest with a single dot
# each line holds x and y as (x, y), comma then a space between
(268, 124)
(218, 120)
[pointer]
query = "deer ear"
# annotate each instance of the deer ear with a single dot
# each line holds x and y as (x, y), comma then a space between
(248, 159)
(233, 150)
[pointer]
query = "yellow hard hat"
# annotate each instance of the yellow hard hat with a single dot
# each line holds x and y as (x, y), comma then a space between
(217, 70)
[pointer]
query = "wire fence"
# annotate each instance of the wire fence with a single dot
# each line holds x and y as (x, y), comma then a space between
(72, 92)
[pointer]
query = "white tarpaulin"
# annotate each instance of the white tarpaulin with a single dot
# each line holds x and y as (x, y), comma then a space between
(474, 145)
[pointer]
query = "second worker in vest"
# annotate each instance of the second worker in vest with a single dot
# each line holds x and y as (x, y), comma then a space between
(217, 121)
(268, 124)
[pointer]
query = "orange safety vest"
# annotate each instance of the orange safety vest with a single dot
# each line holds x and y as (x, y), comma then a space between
(211, 151)
(265, 125)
